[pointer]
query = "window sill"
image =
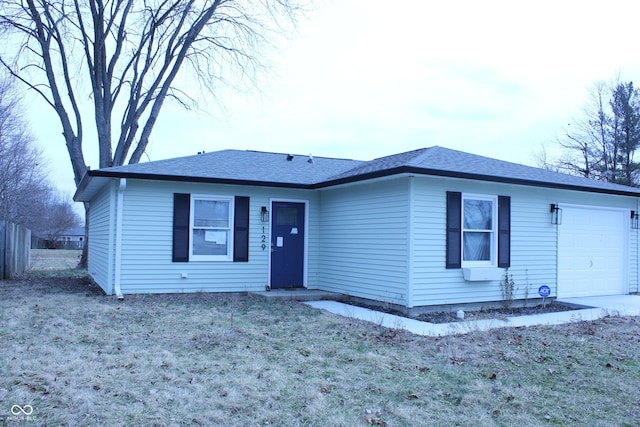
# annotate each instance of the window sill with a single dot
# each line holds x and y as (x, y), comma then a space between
(195, 258)
(482, 274)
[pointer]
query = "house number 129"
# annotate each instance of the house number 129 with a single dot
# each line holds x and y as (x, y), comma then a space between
(264, 239)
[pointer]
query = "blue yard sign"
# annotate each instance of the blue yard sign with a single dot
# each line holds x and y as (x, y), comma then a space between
(544, 291)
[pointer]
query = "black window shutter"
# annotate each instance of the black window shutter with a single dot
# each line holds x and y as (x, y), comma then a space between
(241, 229)
(181, 207)
(504, 231)
(454, 228)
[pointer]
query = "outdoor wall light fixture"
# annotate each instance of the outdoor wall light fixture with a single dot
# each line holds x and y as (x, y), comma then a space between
(264, 214)
(556, 214)
(634, 220)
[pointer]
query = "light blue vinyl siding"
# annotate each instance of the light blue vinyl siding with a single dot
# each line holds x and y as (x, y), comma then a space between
(633, 261)
(147, 265)
(382, 240)
(363, 240)
(533, 240)
(101, 238)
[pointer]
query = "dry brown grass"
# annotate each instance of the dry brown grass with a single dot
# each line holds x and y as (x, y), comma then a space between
(53, 259)
(78, 357)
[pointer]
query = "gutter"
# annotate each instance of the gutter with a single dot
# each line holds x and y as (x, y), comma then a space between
(633, 192)
(381, 173)
(118, 243)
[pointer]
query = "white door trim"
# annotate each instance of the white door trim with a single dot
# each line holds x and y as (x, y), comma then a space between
(306, 235)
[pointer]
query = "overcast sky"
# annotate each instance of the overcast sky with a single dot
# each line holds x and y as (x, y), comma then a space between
(365, 79)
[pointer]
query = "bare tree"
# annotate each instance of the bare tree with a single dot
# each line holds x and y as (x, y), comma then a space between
(542, 158)
(584, 138)
(601, 145)
(26, 196)
(57, 217)
(129, 57)
(22, 181)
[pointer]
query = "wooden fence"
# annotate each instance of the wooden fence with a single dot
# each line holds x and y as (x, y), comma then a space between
(15, 246)
(40, 243)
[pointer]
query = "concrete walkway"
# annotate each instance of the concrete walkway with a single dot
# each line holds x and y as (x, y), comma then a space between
(622, 305)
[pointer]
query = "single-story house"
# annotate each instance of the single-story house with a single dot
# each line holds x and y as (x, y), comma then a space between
(72, 238)
(427, 227)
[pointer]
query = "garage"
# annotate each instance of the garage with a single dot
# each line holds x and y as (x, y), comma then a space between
(593, 251)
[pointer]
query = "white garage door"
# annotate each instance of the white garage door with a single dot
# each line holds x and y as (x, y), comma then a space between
(592, 251)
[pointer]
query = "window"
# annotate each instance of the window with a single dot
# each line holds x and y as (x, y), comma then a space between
(210, 228)
(478, 230)
(479, 235)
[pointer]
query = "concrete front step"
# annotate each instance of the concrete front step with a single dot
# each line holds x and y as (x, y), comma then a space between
(299, 294)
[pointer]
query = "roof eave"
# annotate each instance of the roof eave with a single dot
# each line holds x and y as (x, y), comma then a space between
(80, 196)
(197, 179)
(82, 187)
(476, 177)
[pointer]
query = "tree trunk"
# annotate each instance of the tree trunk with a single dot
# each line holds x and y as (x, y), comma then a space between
(84, 258)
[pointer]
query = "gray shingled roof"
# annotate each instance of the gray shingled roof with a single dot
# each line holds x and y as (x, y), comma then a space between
(276, 169)
(239, 165)
(446, 162)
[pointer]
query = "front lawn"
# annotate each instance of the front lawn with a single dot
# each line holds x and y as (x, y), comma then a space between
(72, 356)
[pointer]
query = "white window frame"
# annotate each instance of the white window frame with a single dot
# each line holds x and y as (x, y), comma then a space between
(493, 256)
(229, 228)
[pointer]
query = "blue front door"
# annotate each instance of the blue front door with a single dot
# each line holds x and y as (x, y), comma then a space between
(287, 245)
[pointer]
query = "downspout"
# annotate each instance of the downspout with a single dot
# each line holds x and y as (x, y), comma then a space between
(118, 243)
